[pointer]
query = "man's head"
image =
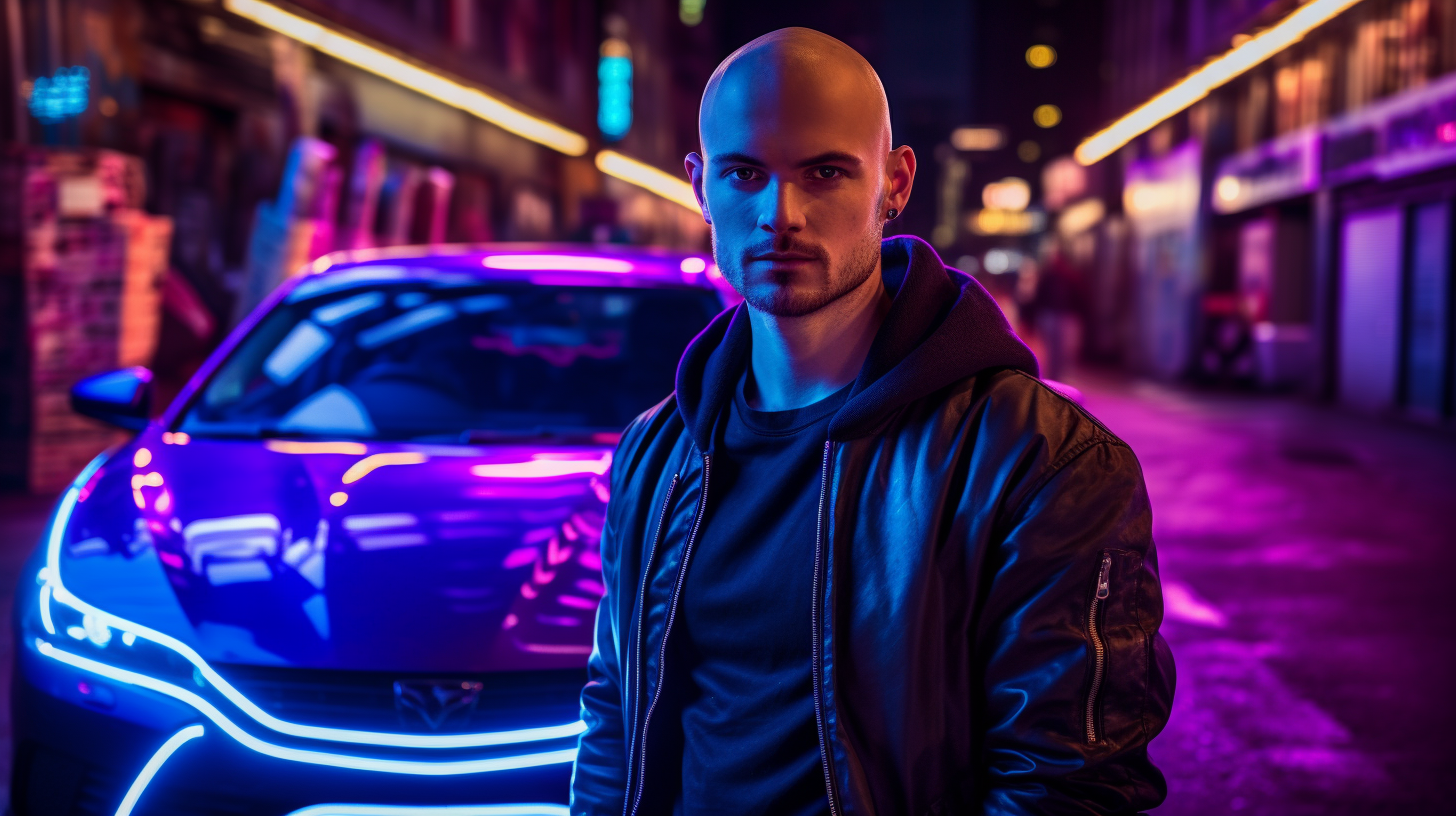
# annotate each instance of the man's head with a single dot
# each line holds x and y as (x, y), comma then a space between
(797, 174)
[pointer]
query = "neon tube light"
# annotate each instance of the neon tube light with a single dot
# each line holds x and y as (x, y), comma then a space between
(155, 764)
(557, 263)
(440, 88)
(45, 610)
(543, 468)
(648, 178)
(421, 810)
(292, 446)
(208, 710)
(52, 576)
(1213, 74)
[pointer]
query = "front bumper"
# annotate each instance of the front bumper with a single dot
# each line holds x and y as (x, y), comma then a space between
(88, 739)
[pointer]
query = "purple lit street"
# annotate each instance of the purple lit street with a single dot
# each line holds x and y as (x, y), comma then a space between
(1306, 558)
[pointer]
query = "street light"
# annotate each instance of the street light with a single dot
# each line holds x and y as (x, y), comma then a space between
(1041, 56)
(1047, 116)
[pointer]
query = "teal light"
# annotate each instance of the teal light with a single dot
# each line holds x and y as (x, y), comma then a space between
(614, 97)
(53, 99)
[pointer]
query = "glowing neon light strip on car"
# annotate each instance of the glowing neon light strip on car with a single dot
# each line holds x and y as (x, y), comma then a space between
(443, 810)
(208, 710)
(45, 610)
(155, 764)
(51, 575)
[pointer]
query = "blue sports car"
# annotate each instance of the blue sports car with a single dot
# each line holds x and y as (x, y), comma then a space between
(353, 567)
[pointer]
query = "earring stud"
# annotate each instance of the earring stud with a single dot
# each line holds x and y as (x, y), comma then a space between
(890, 216)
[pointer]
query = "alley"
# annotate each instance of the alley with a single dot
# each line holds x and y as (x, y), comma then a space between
(1307, 560)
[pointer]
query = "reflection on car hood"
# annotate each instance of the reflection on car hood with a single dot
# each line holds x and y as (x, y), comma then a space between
(348, 555)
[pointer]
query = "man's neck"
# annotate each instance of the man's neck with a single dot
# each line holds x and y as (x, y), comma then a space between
(798, 361)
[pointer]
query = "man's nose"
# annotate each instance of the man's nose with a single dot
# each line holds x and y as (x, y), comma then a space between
(784, 210)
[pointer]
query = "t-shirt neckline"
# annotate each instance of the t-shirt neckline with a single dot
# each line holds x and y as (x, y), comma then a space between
(780, 423)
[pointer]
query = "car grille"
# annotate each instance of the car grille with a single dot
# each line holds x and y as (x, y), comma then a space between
(366, 700)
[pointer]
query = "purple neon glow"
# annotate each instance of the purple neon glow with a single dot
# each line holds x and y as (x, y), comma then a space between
(557, 263)
(542, 467)
(693, 266)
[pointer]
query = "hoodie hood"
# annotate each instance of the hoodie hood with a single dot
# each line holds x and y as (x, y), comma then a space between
(942, 327)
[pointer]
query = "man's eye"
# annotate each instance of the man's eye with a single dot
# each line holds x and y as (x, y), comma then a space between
(826, 173)
(744, 173)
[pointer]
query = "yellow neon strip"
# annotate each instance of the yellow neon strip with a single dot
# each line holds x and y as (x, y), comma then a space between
(1215, 73)
(437, 87)
(369, 464)
(648, 178)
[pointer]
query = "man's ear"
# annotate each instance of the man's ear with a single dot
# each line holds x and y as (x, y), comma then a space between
(899, 178)
(694, 164)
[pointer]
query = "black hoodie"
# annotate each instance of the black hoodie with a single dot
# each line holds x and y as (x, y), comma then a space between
(943, 326)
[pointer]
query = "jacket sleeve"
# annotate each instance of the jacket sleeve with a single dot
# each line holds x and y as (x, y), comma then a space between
(599, 779)
(1075, 685)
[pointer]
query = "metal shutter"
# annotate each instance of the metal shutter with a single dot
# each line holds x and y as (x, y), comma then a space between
(1428, 309)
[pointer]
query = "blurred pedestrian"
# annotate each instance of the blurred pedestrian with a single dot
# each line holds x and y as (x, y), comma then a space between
(1057, 308)
(862, 560)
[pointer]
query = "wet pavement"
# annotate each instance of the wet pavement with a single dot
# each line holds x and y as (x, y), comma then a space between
(1307, 558)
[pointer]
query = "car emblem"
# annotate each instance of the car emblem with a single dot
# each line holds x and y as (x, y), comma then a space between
(435, 701)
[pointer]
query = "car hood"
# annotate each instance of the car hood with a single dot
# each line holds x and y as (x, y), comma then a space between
(347, 555)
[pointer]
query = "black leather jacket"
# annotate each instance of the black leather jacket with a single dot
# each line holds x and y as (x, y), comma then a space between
(987, 596)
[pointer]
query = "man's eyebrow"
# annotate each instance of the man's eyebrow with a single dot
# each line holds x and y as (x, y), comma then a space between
(735, 158)
(832, 157)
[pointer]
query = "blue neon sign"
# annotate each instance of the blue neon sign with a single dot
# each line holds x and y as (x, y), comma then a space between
(614, 96)
(53, 99)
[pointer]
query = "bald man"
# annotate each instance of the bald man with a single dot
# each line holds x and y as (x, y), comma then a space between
(862, 561)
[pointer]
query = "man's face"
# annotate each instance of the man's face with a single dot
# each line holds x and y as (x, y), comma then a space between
(793, 178)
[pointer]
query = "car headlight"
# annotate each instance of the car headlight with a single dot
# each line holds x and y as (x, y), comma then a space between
(95, 635)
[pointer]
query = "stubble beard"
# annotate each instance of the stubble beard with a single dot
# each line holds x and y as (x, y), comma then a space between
(783, 300)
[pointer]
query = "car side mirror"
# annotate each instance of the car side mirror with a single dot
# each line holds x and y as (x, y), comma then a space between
(122, 398)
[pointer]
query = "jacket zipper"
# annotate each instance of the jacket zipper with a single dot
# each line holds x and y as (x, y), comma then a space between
(814, 624)
(1099, 649)
(636, 667)
(682, 571)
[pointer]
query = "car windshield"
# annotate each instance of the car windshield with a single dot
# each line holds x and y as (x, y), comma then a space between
(414, 361)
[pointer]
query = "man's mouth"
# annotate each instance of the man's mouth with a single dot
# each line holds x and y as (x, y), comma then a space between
(782, 257)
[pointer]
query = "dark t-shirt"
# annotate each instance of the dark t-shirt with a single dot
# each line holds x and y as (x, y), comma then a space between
(743, 648)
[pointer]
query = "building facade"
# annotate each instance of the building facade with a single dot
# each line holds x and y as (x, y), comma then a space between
(264, 134)
(1291, 227)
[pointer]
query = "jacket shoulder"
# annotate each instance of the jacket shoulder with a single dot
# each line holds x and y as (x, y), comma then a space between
(1017, 398)
(1017, 417)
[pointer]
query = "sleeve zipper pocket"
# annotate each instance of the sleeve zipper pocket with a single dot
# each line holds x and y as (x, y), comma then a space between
(1099, 649)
